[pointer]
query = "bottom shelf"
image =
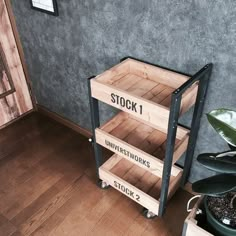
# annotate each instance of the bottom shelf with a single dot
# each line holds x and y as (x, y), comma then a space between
(135, 182)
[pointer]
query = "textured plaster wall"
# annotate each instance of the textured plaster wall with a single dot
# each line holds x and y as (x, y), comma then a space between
(90, 36)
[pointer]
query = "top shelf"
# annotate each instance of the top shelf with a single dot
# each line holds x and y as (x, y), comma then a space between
(142, 90)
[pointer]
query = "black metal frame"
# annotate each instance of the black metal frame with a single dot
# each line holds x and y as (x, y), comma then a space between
(94, 109)
(202, 77)
(55, 7)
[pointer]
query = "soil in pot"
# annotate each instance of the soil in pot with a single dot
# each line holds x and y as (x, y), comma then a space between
(221, 210)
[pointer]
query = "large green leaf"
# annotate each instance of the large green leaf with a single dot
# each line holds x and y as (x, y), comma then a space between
(215, 185)
(224, 162)
(224, 122)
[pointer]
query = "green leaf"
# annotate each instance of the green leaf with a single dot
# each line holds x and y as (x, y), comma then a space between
(215, 185)
(224, 162)
(224, 122)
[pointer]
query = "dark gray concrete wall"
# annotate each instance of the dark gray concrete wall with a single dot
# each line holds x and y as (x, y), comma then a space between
(89, 36)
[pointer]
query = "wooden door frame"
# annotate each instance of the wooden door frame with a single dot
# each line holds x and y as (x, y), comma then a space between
(21, 53)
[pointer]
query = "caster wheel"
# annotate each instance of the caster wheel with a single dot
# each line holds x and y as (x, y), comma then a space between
(103, 184)
(148, 214)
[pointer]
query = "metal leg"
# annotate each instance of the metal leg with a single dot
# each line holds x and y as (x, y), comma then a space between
(171, 136)
(95, 123)
(202, 90)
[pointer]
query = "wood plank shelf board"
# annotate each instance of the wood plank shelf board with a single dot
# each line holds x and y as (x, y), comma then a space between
(135, 182)
(142, 90)
(140, 143)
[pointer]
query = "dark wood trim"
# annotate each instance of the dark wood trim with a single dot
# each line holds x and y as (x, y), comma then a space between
(20, 50)
(64, 121)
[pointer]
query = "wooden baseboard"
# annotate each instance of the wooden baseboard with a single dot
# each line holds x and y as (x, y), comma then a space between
(64, 121)
(16, 119)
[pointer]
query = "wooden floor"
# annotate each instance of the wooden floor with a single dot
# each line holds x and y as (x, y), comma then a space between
(48, 187)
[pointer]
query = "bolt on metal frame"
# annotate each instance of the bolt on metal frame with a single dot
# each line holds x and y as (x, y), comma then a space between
(202, 76)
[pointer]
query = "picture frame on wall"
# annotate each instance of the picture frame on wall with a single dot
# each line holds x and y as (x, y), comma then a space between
(46, 6)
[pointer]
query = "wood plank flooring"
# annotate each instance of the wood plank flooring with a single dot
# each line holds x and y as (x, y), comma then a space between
(48, 187)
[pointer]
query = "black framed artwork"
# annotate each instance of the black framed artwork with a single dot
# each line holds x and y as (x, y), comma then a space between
(47, 6)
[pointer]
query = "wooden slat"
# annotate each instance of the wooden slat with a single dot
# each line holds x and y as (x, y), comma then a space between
(155, 115)
(189, 98)
(167, 101)
(155, 191)
(122, 168)
(141, 87)
(157, 74)
(133, 175)
(159, 98)
(114, 121)
(180, 148)
(181, 132)
(127, 81)
(111, 162)
(142, 159)
(125, 128)
(154, 92)
(138, 136)
(174, 185)
(129, 190)
(115, 73)
(153, 141)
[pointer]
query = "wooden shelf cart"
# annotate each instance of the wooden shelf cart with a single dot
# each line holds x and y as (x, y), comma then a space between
(145, 136)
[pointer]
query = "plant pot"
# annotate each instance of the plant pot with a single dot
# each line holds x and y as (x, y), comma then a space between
(218, 227)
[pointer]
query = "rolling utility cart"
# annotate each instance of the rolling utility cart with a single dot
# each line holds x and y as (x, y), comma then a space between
(145, 136)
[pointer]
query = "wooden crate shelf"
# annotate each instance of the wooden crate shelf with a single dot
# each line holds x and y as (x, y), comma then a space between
(145, 135)
(140, 143)
(135, 182)
(142, 90)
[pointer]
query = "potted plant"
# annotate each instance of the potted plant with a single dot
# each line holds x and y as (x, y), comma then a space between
(220, 190)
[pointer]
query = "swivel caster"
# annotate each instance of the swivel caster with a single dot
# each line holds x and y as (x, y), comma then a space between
(103, 185)
(148, 214)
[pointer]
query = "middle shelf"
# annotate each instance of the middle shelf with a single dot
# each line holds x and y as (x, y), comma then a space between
(139, 143)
